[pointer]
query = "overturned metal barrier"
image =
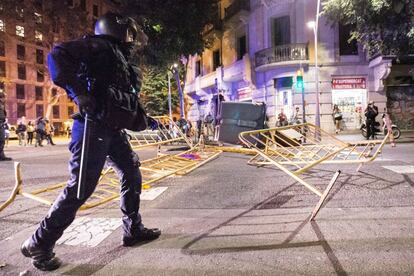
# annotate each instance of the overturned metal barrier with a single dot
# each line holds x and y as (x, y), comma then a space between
(167, 132)
(298, 148)
(152, 170)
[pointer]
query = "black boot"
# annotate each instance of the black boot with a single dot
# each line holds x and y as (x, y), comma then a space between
(41, 259)
(143, 235)
(4, 158)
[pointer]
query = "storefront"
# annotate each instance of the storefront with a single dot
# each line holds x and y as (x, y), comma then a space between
(284, 96)
(350, 95)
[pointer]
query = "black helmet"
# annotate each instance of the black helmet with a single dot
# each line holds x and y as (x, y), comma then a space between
(116, 25)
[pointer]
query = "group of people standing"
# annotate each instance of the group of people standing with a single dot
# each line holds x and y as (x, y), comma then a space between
(282, 119)
(41, 130)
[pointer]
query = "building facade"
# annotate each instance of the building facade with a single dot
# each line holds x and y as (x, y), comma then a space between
(260, 46)
(23, 52)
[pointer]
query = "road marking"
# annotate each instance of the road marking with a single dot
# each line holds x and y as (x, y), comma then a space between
(152, 193)
(400, 169)
(86, 231)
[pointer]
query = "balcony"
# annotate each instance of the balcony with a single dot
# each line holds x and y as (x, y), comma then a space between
(236, 7)
(234, 71)
(214, 28)
(280, 55)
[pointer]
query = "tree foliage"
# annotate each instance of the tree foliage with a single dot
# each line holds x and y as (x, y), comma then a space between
(381, 26)
(154, 91)
(174, 27)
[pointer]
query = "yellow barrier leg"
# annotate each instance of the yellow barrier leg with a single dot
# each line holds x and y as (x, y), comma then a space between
(325, 194)
(16, 188)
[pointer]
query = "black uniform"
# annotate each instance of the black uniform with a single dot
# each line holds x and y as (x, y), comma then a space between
(371, 113)
(99, 67)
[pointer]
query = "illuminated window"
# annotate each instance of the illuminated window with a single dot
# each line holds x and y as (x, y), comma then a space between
(20, 12)
(38, 18)
(20, 31)
(38, 36)
(2, 26)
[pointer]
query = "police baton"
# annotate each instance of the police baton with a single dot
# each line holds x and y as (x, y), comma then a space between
(84, 159)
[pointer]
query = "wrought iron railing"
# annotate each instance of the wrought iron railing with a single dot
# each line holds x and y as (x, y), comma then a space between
(282, 53)
(236, 7)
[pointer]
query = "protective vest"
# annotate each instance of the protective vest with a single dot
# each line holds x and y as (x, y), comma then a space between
(97, 66)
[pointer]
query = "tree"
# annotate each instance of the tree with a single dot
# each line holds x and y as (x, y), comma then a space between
(382, 26)
(175, 30)
(154, 91)
(174, 27)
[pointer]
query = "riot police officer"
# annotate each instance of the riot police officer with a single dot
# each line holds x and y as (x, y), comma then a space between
(3, 115)
(98, 75)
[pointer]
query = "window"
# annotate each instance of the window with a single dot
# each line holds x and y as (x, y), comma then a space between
(39, 56)
(20, 12)
(40, 75)
(70, 111)
(21, 52)
(2, 49)
(20, 31)
(198, 68)
(345, 47)
(55, 111)
(38, 18)
(95, 11)
(241, 47)
(2, 26)
(39, 110)
(2, 68)
(281, 31)
(39, 93)
(216, 59)
(21, 71)
(20, 91)
(83, 4)
(21, 110)
(38, 36)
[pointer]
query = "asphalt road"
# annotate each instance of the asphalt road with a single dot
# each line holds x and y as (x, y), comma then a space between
(229, 218)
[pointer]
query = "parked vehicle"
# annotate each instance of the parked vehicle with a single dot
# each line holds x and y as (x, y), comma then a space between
(381, 131)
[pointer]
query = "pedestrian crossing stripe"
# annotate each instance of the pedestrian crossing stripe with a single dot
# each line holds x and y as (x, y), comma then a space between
(401, 169)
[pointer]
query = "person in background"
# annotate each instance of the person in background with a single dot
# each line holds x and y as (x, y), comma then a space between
(371, 113)
(282, 119)
(49, 130)
(358, 114)
(295, 119)
(40, 131)
(386, 117)
(337, 117)
(6, 127)
(3, 122)
(30, 133)
(21, 132)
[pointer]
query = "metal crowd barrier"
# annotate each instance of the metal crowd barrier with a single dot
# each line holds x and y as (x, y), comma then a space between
(298, 148)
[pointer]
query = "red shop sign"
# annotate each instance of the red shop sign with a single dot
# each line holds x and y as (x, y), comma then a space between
(349, 83)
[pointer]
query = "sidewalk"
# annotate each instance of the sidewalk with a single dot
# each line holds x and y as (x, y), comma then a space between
(407, 136)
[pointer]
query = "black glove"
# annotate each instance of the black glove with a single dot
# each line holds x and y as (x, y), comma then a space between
(85, 103)
(152, 123)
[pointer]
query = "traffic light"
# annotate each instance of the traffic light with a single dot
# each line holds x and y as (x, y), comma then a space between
(299, 80)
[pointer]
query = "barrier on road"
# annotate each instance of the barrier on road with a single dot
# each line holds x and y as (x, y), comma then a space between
(296, 149)
(167, 132)
(152, 170)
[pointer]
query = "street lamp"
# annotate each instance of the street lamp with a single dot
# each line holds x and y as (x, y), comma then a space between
(175, 65)
(314, 25)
